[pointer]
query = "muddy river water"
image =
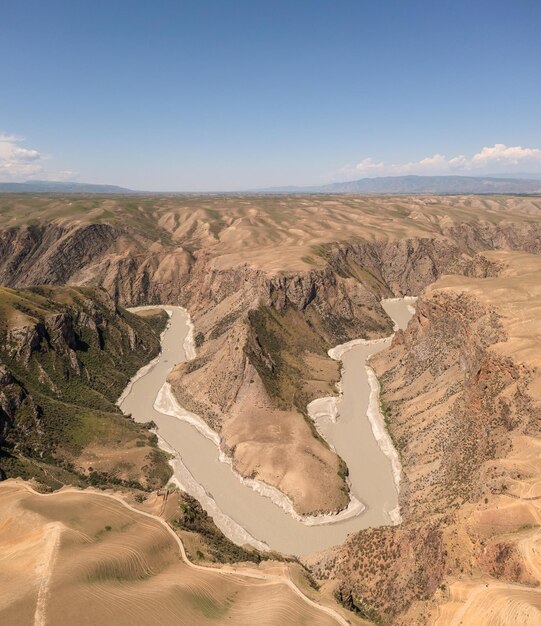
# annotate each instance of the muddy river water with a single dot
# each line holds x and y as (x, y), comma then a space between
(248, 511)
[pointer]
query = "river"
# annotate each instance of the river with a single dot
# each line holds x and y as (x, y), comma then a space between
(242, 513)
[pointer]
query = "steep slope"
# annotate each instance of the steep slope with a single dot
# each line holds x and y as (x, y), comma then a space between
(274, 330)
(461, 391)
(271, 283)
(261, 352)
(131, 267)
(66, 354)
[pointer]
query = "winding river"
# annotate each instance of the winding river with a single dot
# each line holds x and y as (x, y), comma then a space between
(352, 424)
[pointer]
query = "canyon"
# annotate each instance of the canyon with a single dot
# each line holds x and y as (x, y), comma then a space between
(271, 284)
(461, 391)
(66, 354)
(249, 510)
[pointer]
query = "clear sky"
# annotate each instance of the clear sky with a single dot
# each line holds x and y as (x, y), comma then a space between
(236, 94)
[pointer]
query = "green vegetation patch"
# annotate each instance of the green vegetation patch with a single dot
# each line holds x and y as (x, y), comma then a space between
(194, 518)
(278, 348)
(208, 606)
(66, 355)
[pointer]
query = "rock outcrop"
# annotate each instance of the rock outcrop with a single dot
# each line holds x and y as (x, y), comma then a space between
(271, 284)
(257, 275)
(462, 400)
(65, 356)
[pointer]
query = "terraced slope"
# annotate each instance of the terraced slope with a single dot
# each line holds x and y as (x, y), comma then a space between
(81, 558)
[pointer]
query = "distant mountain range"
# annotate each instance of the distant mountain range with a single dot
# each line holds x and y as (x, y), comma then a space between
(51, 186)
(381, 185)
(422, 184)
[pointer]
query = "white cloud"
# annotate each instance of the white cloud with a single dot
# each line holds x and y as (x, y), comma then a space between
(428, 165)
(459, 162)
(498, 158)
(18, 162)
(499, 153)
(368, 165)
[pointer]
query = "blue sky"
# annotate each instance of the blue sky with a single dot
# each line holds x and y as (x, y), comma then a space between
(236, 94)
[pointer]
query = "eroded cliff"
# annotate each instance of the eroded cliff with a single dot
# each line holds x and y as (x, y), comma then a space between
(271, 283)
(461, 395)
(66, 354)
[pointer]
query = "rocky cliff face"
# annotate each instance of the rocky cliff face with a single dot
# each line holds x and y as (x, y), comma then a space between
(405, 267)
(260, 337)
(460, 393)
(471, 399)
(149, 254)
(131, 267)
(274, 330)
(65, 356)
(271, 283)
(51, 254)
(271, 325)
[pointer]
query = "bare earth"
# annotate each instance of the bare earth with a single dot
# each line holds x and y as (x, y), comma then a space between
(462, 390)
(271, 283)
(87, 558)
(516, 516)
(255, 271)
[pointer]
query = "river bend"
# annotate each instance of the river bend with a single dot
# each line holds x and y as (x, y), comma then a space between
(242, 513)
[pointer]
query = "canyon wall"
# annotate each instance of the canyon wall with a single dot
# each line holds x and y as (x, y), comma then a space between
(262, 330)
(462, 400)
(271, 284)
(66, 354)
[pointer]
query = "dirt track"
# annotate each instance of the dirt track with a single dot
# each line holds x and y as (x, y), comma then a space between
(99, 560)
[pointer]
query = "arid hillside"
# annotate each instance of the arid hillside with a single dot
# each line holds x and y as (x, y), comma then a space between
(88, 558)
(231, 230)
(271, 283)
(461, 392)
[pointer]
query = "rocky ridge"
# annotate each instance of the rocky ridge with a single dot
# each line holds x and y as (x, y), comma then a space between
(253, 314)
(65, 356)
(461, 396)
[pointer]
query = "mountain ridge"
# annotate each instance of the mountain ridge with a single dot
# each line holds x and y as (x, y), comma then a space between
(415, 184)
(410, 184)
(53, 186)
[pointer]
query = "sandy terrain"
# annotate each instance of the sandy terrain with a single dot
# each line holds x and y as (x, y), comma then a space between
(87, 558)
